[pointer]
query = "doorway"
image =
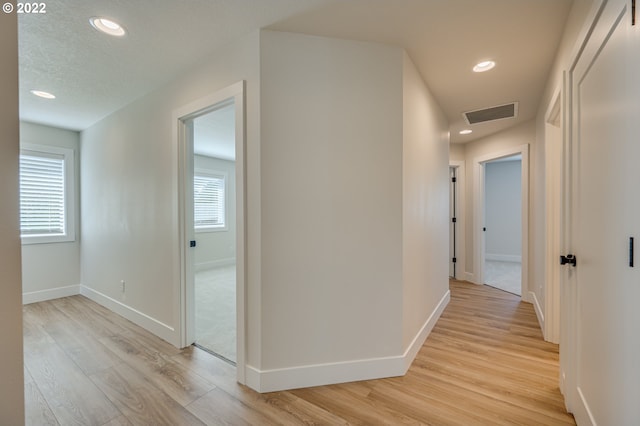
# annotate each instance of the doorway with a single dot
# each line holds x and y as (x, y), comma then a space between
(212, 235)
(214, 200)
(503, 224)
(482, 229)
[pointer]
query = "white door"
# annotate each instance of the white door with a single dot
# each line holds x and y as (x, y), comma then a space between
(605, 214)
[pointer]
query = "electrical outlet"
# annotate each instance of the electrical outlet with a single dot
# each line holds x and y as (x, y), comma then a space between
(123, 285)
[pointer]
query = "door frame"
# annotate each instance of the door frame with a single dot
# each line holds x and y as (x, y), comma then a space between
(184, 142)
(554, 196)
(460, 219)
(479, 215)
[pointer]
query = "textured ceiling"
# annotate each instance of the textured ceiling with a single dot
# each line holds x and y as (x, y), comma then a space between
(94, 75)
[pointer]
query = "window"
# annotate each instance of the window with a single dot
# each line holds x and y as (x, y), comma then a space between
(209, 201)
(46, 194)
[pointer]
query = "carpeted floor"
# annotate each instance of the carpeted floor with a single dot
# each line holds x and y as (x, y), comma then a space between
(215, 294)
(505, 276)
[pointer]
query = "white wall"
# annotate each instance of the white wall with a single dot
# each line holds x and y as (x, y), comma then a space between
(130, 197)
(11, 366)
(218, 248)
(456, 152)
(425, 207)
(354, 214)
(331, 200)
(503, 210)
(326, 216)
(523, 134)
(52, 270)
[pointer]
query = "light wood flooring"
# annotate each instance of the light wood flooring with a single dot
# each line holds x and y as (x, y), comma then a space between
(485, 363)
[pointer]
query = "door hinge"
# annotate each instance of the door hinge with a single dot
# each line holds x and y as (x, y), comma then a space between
(454, 220)
(454, 180)
(454, 260)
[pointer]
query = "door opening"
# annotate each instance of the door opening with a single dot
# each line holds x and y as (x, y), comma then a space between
(214, 200)
(498, 251)
(503, 224)
(212, 217)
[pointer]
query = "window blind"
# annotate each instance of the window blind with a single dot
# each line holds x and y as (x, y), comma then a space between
(42, 198)
(209, 201)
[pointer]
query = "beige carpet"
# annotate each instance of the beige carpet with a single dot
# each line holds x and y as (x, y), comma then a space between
(215, 295)
(505, 276)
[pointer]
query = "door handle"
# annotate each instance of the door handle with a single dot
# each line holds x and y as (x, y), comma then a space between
(569, 259)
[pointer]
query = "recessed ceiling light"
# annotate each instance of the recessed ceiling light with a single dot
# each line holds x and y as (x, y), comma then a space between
(484, 66)
(42, 94)
(466, 132)
(107, 26)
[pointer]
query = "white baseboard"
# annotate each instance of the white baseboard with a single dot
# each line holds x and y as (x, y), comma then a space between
(538, 309)
(411, 352)
(341, 372)
(503, 257)
(582, 413)
(156, 327)
(50, 294)
(215, 264)
(470, 277)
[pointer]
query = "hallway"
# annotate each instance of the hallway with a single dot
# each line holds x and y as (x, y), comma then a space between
(484, 363)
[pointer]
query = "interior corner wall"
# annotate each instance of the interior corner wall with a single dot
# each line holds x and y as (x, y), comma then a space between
(11, 354)
(523, 134)
(331, 175)
(129, 193)
(52, 270)
(425, 209)
(456, 152)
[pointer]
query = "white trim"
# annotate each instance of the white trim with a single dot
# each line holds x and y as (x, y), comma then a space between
(215, 264)
(156, 327)
(469, 277)
(553, 189)
(537, 308)
(224, 176)
(50, 294)
(503, 257)
(417, 342)
(184, 300)
(582, 412)
(70, 207)
(478, 202)
(347, 371)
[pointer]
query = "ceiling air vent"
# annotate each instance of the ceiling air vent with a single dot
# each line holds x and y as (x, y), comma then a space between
(490, 114)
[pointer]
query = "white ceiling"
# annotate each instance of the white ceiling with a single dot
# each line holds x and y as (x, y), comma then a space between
(94, 75)
(214, 133)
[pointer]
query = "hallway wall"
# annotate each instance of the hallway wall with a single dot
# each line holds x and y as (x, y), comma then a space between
(523, 134)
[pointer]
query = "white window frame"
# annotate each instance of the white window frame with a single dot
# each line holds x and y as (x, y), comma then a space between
(69, 193)
(218, 175)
